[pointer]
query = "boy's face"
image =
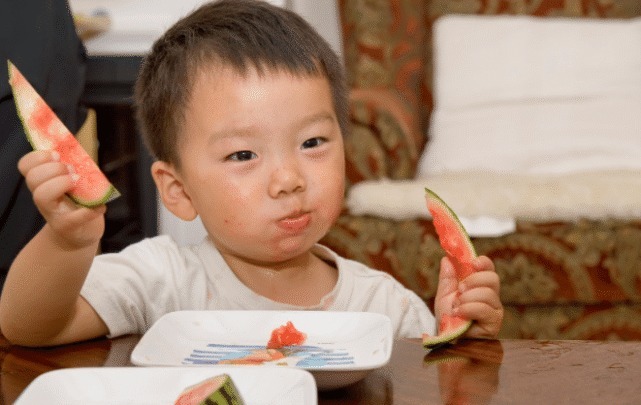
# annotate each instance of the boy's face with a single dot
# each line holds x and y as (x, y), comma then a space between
(262, 162)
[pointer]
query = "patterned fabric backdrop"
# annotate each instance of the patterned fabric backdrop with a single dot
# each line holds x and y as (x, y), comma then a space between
(561, 280)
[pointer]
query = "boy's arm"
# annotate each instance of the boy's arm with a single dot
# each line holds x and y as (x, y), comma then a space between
(40, 303)
(477, 297)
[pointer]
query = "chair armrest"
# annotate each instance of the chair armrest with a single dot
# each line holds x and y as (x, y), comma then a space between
(87, 135)
(383, 141)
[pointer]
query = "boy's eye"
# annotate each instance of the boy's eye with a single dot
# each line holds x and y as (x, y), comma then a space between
(242, 156)
(313, 142)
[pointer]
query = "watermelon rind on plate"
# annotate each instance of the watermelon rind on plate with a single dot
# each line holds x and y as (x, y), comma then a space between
(218, 390)
(45, 131)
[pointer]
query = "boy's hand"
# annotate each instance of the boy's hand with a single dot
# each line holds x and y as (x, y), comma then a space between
(476, 297)
(48, 180)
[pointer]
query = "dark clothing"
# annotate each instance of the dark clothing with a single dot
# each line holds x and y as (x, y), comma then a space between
(39, 37)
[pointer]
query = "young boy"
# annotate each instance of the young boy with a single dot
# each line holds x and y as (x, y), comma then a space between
(244, 107)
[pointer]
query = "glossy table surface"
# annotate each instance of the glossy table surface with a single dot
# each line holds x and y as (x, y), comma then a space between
(470, 372)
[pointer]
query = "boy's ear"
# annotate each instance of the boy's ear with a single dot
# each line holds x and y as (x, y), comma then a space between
(172, 191)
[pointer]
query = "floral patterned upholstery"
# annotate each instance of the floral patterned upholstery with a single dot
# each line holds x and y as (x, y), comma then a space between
(579, 280)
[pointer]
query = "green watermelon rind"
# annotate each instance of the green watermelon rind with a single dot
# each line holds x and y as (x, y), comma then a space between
(225, 392)
(441, 358)
(110, 194)
(432, 342)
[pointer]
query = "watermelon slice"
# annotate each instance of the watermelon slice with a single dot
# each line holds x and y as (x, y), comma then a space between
(460, 250)
(286, 335)
(45, 131)
(219, 390)
(256, 357)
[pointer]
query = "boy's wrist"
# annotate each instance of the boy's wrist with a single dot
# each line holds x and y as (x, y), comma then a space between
(69, 244)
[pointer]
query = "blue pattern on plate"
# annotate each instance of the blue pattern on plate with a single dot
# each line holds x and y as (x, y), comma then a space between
(308, 356)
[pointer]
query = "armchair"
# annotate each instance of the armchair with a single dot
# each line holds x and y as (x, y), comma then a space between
(560, 279)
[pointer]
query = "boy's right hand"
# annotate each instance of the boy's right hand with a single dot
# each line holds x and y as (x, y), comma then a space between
(49, 180)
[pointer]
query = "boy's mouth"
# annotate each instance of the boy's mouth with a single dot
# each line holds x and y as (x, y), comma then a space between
(295, 222)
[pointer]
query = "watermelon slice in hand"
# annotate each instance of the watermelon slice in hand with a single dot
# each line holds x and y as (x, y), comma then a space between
(45, 131)
(460, 250)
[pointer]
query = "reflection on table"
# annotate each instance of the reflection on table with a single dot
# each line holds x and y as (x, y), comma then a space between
(470, 372)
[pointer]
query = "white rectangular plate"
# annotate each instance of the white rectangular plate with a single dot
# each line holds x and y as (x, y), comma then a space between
(341, 347)
(162, 385)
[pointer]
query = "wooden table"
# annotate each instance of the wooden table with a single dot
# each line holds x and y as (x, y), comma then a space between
(471, 372)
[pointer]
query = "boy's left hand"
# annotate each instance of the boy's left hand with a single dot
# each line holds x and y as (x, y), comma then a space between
(476, 297)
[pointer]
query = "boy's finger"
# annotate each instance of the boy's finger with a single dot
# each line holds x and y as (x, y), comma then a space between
(35, 158)
(50, 194)
(447, 288)
(489, 317)
(483, 295)
(447, 276)
(484, 331)
(481, 279)
(483, 263)
(44, 172)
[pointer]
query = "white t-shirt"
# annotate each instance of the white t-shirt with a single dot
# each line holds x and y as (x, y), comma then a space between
(131, 289)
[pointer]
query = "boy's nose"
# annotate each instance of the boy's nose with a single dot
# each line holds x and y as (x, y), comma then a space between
(286, 179)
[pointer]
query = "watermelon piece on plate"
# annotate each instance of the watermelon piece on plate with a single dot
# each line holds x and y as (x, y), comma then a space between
(219, 390)
(45, 131)
(286, 335)
(459, 249)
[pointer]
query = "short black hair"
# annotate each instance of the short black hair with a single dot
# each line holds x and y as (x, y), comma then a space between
(240, 34)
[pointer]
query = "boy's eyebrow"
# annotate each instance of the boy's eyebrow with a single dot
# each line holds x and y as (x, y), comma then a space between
(314, 118)
(251, 129)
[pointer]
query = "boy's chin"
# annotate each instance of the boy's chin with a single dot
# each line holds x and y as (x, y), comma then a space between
(289, 251)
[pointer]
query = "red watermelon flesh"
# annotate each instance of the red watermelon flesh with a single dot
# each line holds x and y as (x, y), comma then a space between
(286, 335)
(456, 243)
(45, 131)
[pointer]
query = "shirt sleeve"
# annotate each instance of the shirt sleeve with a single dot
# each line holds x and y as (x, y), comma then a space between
(366, 289)
(416, 319)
